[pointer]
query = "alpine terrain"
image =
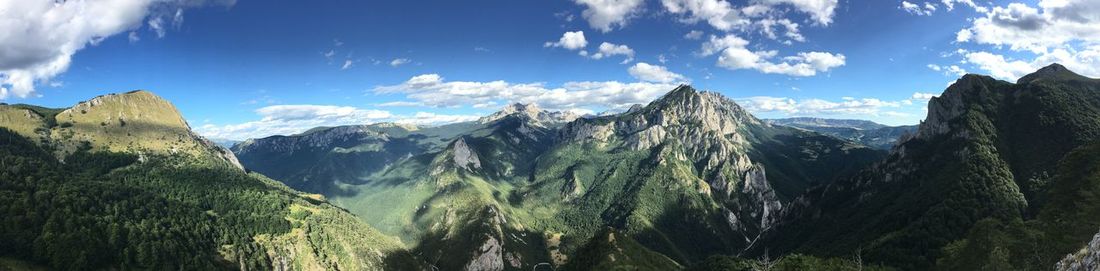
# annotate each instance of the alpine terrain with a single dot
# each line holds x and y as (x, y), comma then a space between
(999, 176)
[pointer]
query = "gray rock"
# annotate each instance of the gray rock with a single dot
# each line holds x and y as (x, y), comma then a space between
(1087, 259)
(464, 157)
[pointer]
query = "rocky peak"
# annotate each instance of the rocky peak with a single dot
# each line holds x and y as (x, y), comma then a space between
(951, 104)
(138, 122)
(711, 110)
(532, 112)
(1055, 72)
(463, 156)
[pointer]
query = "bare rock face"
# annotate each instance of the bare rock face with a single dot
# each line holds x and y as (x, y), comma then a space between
(707, 130)
(756, 186)
(588, 131)
(573, 188)
(1087, 259)
(464, 157)
(648, 138)
(489, 257)
(533, 112)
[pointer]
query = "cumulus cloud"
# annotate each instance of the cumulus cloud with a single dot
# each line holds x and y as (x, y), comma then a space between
(573, 40)
(694, 35)
(1000, 67)
(1062, 31)
(768, 27)
(294, 119)
(604, 15)
(949, 70)
(427, 118)
(921, 10)
(608, 49)
(809, 107)
(821, 11)
(734, 55)
(1054, 24)
(654, 73)
(40, 37)
(769, 19)
(723, 15)
(399, 61)
(950, 4)
(923, 96)
(432, 90)
(720, 14)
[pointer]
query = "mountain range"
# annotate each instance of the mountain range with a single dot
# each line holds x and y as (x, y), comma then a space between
(864, 132)
(999, 176)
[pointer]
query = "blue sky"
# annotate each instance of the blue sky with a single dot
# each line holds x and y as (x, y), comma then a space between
(239, 69)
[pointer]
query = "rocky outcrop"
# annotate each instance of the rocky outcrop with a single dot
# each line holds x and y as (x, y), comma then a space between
(1087, 259)
(648, 138)
(759, 191)
(489, 257)
(948, 106)
(464, 157)
(533, 112)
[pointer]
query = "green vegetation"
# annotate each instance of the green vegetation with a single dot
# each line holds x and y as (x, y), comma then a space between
(793, 262)
(108, 210)
(980, 187)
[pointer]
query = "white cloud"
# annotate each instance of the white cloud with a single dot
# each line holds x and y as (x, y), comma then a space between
(573, 40)
(654, 73)
(347, 64)
(923, 96)
(608, 49)
(949, 70)
(1000, 67)
(806, 107)
(432, 90)
(821, 11)
(1053, 31)
(921, 10)
(950, 4)
(694, 35)
(133, 37)
(767, 17)
(603, 15)
(768, 27)
(720, 14)
(294, 119)
(399, 103)
(399, 61)
(427, 118)
(723, 15)
(40, 37)
(1055, 24)
(734, 55)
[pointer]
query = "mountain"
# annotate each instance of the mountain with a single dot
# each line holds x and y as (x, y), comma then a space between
(121, 182)
(809, 122)
(999, 175)
(137, 122)
(224, 143)
(865, 132)
(533, 112)
(689, 175)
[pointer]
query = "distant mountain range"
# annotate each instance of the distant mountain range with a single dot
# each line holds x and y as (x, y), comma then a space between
(865, 132)
(1000, 176)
